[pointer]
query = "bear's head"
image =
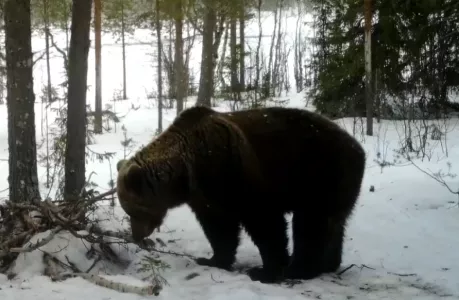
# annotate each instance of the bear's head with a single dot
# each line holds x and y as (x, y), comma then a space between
(147, 192)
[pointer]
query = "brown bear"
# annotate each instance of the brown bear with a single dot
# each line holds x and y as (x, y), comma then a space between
(249, 168)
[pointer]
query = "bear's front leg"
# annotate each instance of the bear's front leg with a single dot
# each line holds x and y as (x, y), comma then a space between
(222, 232)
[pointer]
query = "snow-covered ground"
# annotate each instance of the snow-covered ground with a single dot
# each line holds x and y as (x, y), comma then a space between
(403, 237)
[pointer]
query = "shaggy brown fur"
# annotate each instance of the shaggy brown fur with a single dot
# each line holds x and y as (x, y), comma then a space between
(249, 168)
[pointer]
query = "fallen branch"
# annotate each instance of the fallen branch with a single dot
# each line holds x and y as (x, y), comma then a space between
(41, 243)
(352, 266)
(19, 222)
(118, 286)
(52, 270)
(402, 275)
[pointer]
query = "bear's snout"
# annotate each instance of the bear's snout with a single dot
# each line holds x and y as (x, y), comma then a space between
(141, 230)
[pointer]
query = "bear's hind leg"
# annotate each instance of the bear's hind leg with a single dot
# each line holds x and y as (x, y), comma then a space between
(309, 244)
(337, 222)
(222, 231)
(269, 233)
(333, 254)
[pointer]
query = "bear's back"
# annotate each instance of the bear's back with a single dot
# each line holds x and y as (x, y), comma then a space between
(295, 145)
(287, 130)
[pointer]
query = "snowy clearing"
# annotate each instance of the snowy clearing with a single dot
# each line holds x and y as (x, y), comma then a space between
(403, 238)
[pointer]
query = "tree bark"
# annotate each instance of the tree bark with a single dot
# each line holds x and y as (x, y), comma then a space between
(23, 179)
(180, 79)
(76, 120)
(49, 86)
(368, 87)
(48, 62)
(123, 42)
(233, 52)
(242, 47)
(257, 53)
(2, 65)
(98, 63)
(206, 80)
(160, 68)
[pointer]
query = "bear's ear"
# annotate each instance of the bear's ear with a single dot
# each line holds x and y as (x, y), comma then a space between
(133, 179)
(120, 164)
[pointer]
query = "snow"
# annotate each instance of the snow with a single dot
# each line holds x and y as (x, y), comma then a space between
(402, 238)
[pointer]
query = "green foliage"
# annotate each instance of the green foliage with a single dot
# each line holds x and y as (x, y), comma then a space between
(118, 14)
(413, 49)
(57, 11)
(133, 13)
(153, 267)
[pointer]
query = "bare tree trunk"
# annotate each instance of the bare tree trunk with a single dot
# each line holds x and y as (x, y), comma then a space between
(98, 60)
(298, 68)
(22, 179)
(268, 84)
(221, 63)
(206, 80)
(76, 120)
(368, 87)
(123, 45)
(179, 64)
(68, 12)
(242, 47)
(257, 54)
(188, 47)
(275, 83)
(171, 68)
(233, 53)
(377, 95)
(2, 61)
(48, 87)
(218, 34)
(48, 65)
(217, 38)
(160, 69)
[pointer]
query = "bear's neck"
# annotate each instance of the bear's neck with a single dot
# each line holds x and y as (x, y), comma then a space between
(166, 147)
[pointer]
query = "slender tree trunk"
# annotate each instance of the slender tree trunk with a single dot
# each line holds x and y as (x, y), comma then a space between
(179, 64)
(298, 54)
(276, 77)
(98, 59)
(377, 96)
(233, 54)
(221, 64)
(242, 47)
(257, 54)
(206, 80)
(23, 179)
(48, 88)
(76, 120)
(123, 44)
(67, 29)
(268, 84)
(48, 64)
(2, 63)
(368, 88)
(171, 69)
(160, 68)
